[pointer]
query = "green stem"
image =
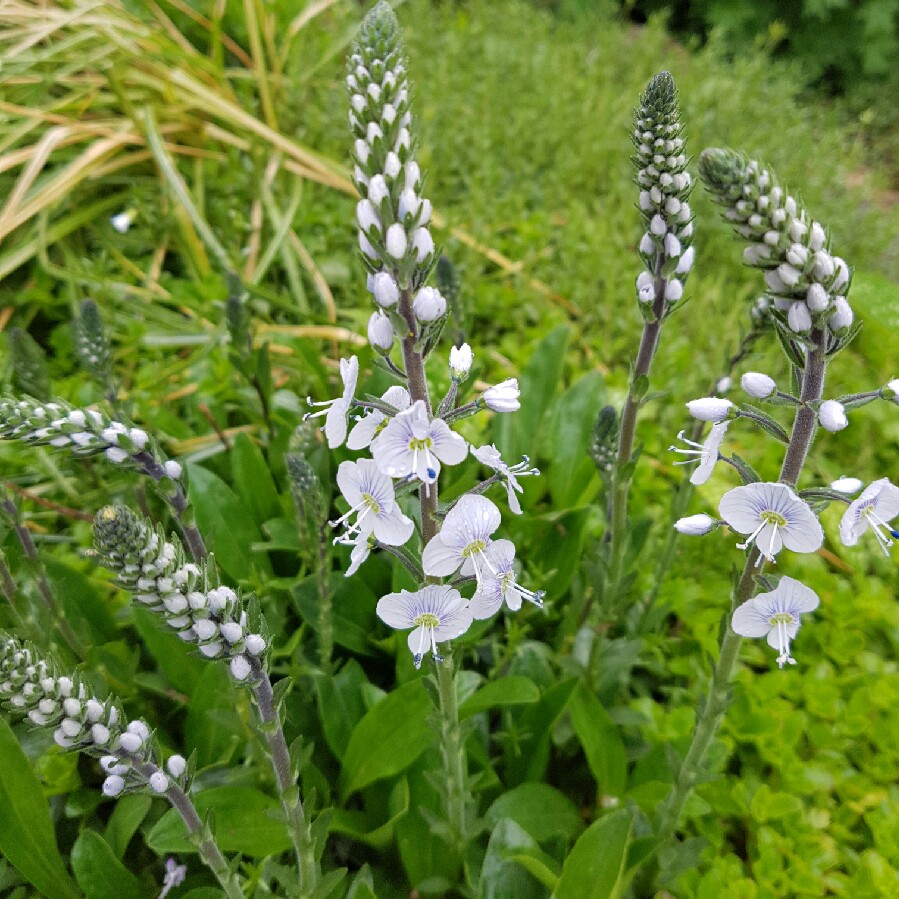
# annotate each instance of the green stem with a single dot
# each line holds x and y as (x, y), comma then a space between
(206, 846)
(288, 791)
(453, 751)
(712, 712)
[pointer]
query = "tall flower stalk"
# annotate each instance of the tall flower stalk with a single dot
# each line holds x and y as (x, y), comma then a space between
(667, 254)
(33, 687)
(807, 289)
(211, 617)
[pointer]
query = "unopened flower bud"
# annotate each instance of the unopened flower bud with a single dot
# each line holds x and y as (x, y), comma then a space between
(842, 317)
(240, 668)
(113, 785)
(799, 318)
(460, 359)
(380, 332)
(832, 416)
(695, 525)
(385, 289)
(503, 397)
(847, 485)
(429, 304)
(254, 644)
(422, 243)
(686, 261)
(758, 385)
(367, 216)
(710, 408)
(646, 291)
(841, 279)
(396, 241)
(159, 783)
(816, 298)
(674, 290)
(176, 765)
(817, 237)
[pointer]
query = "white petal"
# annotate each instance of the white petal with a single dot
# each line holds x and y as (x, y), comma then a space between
(796, 596)
(449, 446)
(348, 479)
(512, 499)
(419, 641)
(336, 423)
(774, 637)
(804, 534)
(749, 621)
(438, 559)
(397, 610)
(363, 432)
(483, 606)
(393, 529)
(359, 554)
(740, 509)
(887, 505)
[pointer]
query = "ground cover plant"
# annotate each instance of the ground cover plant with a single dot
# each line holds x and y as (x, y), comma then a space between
(378, 659)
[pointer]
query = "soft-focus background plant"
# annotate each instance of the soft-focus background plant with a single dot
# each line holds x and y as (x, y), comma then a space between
(238, 108)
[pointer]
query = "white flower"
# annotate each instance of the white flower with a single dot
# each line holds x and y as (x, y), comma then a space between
(490, 456)
(367, 216)
(463, 539)
(240, 667)
(460, 360)
(674, 290)
(758, 385)
(371, 498)
(429, 304)
(377, 190)
(832, 416)
(338, 410)
(370, 425)
(695, 525)
(710, 408)
(113, 785)
(412, 445)
(385, 290)
(498, 583)
(777, 615)
(706, 453)
(847, 485)
(422, 243)
(817, 298)
(503, 397)
(123, 220)
(362, 548)
(436, 612)
(396, 242)
(774, 517)
(380, 332)
(875, 509)
(172, 469)
(159, 783)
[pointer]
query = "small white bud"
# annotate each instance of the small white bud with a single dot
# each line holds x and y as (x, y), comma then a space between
(460, 359)
(130, 742)
(362, 149)
(672, 245)
(413, 175)
(211, 650)
(893, 387)
(797, 255)
(380, 332)
(429, 304)
(409, 204)
(176, 765)
(686, 261)
(392, 166)
(847, 485)
(797, 231)
(377, 190)
(817, 237)
(799, 318)
(842, 274)
(756, 253)
(647, 245)
(832, 416)
(367, 216)
(396, 241)
(357, 101)
(366, 247)
(388, 114)
(842, 316)
(373, 133)
(385, 289)
(115, 454)
(710, 408)
(255, 644)
(113, 785)
(672, 205)
(424, 216)
(205, 628)
(231, 631)
(674, 290)
(403, 140)
(816, 299)
(724, 384)
(645, 200)
(658, 226)
(503, 397)
(774, 281)
(159, 783)
(788, 274)
(122, 221)
(695, 525)
(100, 734)
(240, 668)
(758, 385)
(824, 266)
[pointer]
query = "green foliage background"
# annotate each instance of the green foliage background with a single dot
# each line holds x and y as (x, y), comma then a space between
(524, 122)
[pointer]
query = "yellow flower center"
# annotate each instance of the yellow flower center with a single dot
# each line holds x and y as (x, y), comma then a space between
(774, 518)
(425, 443)
(371, 502)
(781, 618)
(427, 619)
(473, 548)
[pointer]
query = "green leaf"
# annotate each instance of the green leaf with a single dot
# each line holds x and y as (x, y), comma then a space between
(83, 604)
(226, 523)
(595, 869)
(391, 736)
(573, 419)
(601, 741)
(27, 837)
(212, 729)
(501, 877)
(126, 817)
(539, 865)
(516, 435)
(174, 657)
(353, 604)
(99, 873)
(245, 821)
(341, 705)
(362, 826)
(512, 690)
(253, 481)
(539, 809)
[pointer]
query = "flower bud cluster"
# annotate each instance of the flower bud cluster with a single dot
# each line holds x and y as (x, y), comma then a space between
(33, 687)
(665, 187)
(84, 432)
(187, 596)
(392, 215)
(806, 283)
(91, 343)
